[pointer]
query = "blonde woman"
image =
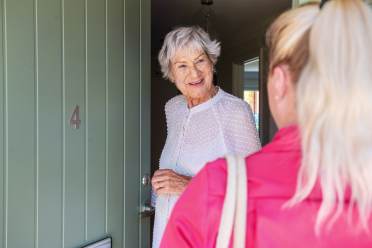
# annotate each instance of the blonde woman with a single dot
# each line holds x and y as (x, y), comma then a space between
(312, 185)
(203, 122)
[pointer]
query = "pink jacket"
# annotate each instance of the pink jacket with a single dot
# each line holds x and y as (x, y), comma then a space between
(272, 174)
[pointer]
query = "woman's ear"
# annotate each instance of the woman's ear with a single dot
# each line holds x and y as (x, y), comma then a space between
(280, 80)
(282, 96)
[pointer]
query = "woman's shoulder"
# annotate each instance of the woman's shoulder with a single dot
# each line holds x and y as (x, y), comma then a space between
(174, 104)
(215, 176)
(231, 103)
(217, 166)
(215, 170)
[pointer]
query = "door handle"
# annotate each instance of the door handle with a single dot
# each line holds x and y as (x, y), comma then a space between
(147, 210)
(146, 180)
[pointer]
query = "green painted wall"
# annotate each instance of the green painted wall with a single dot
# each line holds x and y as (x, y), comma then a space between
(60, 186)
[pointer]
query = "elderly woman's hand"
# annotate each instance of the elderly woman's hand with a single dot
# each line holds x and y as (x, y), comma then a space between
(167, 181)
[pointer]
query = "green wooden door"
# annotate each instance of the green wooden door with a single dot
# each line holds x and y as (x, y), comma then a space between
(74, 132)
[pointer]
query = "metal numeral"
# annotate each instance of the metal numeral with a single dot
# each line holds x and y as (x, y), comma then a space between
(75, 118)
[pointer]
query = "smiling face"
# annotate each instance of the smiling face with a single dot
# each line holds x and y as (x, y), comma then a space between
(192, 73)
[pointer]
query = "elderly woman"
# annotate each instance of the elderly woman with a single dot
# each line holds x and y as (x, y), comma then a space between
(312, 185)
(203, 123)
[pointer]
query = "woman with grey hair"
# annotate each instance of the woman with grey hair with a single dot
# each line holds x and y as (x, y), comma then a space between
(203, 123)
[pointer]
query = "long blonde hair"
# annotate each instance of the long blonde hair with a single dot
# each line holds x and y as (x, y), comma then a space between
(334, 106)
(287, 38)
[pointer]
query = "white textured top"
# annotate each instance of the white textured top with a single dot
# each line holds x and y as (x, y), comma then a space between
(222, 125)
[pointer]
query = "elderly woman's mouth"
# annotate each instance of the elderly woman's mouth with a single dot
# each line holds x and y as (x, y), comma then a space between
(196, 83)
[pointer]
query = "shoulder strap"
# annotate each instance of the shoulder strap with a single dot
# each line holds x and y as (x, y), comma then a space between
(233, 216)
(228, 209)
(241, 205)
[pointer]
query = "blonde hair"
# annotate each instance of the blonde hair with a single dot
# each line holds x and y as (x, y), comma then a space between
(287, 38)
(334, 106)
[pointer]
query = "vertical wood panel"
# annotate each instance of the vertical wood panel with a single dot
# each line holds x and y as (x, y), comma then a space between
(115, 120)
(50, 123)
(106, 117)
(2, 133)
(21, 129)
(5, 143)
(63, 77)
(132, 122)
(74, 65)
(36, 116)
(96, 78)
(145, 149)
(86, 118)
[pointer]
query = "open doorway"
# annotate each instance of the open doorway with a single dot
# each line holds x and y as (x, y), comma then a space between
(251, 92)
(239, 26)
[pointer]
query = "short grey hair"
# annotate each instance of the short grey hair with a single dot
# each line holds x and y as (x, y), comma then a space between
(187, 37)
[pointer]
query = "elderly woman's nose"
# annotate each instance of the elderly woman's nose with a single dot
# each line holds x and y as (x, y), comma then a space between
(194, 71)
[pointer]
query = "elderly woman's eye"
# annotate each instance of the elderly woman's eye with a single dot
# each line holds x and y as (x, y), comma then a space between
(200, 61)
(181, 66)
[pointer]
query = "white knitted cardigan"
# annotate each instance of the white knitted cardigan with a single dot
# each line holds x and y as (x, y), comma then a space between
(222, 125)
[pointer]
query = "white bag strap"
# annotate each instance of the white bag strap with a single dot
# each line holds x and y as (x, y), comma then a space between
(228, 209)
(241, 207)
(233, 216)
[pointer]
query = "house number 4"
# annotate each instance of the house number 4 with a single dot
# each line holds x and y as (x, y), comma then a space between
(75, 118)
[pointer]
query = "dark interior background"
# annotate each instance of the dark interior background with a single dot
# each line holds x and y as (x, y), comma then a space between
(238, 24)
